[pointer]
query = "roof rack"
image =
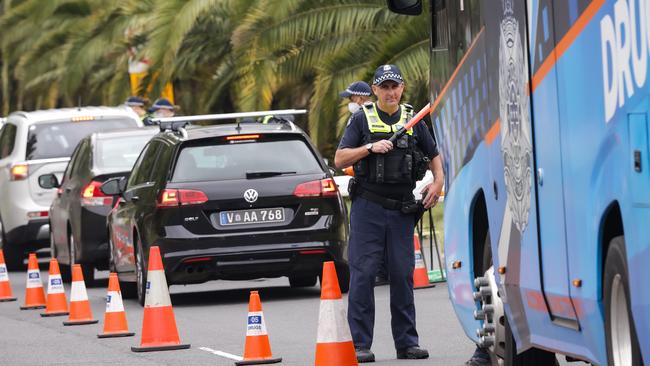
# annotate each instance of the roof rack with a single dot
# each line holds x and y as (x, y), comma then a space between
(222, 116)
(173, 126)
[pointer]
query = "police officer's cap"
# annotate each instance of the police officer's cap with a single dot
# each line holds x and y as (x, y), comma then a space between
(357, 88)
(162, 103)
(387, 72)
(134, 102)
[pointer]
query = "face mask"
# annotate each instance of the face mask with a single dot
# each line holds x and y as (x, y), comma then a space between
(353, 107)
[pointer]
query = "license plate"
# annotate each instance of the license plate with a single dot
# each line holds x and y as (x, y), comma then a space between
(254, 216)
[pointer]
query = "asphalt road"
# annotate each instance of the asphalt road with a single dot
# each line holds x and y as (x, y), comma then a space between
(212, 317)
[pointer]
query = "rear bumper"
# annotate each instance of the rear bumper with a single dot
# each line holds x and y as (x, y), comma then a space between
(32, 236)
(194, 262)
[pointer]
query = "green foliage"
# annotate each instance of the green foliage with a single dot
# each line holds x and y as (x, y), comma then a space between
(220, 55)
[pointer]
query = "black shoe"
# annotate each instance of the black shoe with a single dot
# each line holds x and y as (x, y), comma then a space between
(364, 355)
(412, 353)
(479, 358)
(380, 281)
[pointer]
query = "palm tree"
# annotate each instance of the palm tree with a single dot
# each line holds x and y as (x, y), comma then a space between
(221, 55)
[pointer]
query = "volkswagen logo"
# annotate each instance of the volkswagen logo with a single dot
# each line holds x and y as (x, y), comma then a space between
(250, 195)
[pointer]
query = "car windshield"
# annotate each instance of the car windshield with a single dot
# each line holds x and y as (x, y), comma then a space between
(245, 161)
(119, 153)
(58, 140)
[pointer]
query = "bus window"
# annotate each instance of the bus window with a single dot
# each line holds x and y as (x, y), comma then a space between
(455, 25)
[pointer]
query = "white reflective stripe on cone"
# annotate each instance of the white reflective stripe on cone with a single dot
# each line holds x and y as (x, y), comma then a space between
(256, 325)
(157, 294)
(4, 277)
(34, 279)
(78, 292)
(333, 322)
(55, 284)
(114, 302)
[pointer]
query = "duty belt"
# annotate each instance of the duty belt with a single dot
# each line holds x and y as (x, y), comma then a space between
(386, 203)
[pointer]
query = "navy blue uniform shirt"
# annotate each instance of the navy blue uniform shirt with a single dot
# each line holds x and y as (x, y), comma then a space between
(357, 133)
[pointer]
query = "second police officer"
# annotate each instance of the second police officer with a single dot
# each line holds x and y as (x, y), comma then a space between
(383, 213)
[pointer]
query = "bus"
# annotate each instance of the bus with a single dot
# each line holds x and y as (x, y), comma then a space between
(540, 109)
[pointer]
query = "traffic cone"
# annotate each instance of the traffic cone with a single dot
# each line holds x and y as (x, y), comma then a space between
(56, 302)
(5, 285)
(34, 295)
(80, 312)
(420, 273)
(334, 342)
(257, 350)
(159, 331)
(115, 324)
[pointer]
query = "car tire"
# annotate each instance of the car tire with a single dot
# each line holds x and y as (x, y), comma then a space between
(622, 342)
(66, 269)
(303, 281)
(14, 255)
(140, 272)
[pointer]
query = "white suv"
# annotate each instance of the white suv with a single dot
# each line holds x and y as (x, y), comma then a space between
(33, 144)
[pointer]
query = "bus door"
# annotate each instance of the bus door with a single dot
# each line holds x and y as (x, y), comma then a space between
(548, 161)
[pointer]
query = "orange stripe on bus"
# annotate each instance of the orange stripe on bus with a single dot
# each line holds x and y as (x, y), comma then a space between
(493, 132)
(453, 76)
(566, 42)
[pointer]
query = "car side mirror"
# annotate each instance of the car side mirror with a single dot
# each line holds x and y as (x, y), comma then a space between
(113, 186)
(48, 181)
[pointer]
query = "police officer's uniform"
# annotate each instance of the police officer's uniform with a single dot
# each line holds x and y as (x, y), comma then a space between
(383, 218)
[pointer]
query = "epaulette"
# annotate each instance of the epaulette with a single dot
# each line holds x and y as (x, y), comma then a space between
(368, 104)
(408, 107)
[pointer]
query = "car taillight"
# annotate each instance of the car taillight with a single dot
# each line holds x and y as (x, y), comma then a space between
(19, 172)
(37, 214)
(91, 195)
(180, 197)
(323, 187)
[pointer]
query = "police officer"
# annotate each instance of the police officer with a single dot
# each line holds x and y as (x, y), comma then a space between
(383, 215)
(161, 108)
(359, 93)
(137, 105)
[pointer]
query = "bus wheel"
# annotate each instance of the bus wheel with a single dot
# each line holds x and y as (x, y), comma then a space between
(622, 343)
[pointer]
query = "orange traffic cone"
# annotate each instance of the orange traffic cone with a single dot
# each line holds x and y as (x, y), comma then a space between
(420, 274)
(34, 295)
(159, 332)
(5, 285)
(115, 324)
(257, 350)
(56, 302)
(80, 312)
(334, 342)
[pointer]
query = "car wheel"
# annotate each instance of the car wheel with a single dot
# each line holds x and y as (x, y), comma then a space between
(303, 281)
(66, 269)
(622, 342)
(140, 273)
(14, 255)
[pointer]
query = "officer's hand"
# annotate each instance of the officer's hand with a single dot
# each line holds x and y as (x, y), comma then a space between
(382, 147)
(431, 194)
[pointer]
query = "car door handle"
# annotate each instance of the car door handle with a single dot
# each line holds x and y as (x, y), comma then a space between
(135, 199)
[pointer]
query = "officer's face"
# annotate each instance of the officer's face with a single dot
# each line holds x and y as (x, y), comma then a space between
(389, 93)
(139, 110)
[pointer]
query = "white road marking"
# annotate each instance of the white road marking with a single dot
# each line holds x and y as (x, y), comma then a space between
(222, 354)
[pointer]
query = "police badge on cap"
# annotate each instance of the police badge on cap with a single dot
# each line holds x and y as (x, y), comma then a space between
(387, 72)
